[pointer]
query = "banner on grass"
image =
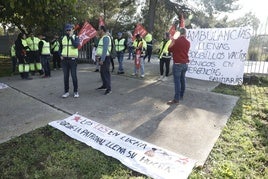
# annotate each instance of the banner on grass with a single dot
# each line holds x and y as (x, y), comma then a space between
(218, 54)
(136, 154)
(86, 33)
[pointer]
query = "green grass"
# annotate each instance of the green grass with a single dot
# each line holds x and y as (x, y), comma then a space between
(240, 152)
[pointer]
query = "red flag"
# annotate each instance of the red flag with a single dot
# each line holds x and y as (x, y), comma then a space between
(139, 30)
(86, 33)
(172, 30)
(101, 21)
(182, 22)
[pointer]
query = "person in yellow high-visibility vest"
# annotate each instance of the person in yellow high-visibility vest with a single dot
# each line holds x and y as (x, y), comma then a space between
(149, 41)
(164, 57)
(120, 47)
(21, 46)
(69, 55)
(55, 47)
(13, 58)
(103, 54)
(44, 51)
(139, 44)
(33, 54)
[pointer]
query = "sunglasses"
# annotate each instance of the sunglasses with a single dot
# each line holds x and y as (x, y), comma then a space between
(68, 30)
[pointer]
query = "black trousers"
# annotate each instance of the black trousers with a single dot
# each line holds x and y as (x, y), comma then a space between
(105, 73)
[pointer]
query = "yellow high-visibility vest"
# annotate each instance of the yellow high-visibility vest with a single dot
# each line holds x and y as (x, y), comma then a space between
(100, 46)
(68, 50)
(32, 43)
(164, 50)
(45, 48)
(119, 44)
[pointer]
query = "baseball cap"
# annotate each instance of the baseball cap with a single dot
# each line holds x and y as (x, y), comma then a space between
(68, 27)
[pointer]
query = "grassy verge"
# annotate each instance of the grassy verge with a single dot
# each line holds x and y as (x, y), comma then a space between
(240, 152)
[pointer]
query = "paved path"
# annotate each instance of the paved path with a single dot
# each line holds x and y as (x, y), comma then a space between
(136, 107)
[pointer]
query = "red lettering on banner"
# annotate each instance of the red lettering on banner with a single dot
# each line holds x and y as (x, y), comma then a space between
(86, 33)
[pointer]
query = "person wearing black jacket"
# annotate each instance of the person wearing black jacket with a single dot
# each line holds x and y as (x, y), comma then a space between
(20, 47)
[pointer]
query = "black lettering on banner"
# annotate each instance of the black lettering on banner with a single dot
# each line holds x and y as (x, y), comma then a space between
(133, 142)
(207, 55)
(158, 165)
(116, 147)
(202, 63)
(237, 55)
(204, 71)
(113, 133)
(226, 80)
(67, 125)
(213, 46)
(228, 64)
(93, 137)
(219, 35)
(131, 154)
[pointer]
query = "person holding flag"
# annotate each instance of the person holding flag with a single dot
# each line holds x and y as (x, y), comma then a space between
(140, 47)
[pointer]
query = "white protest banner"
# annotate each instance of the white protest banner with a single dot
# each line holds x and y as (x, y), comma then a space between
(3, 86)
(136, 154)
(218, 54)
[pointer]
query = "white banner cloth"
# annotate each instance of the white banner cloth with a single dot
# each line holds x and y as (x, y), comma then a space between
(218, 54)
(136, 154)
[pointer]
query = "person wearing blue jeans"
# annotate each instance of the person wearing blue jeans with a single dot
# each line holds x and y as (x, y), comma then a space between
(179, 48)
(179, 71)
(69, 56)
(120, 47)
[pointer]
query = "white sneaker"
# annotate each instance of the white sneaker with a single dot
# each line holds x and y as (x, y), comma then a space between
(165, 78)
(76, 95)
(134, 74)
(65, 95)
(160, 78)
(142, 76)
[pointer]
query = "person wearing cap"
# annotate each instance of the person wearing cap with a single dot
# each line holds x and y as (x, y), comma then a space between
(103, 54)
(69, 55)
(120, 47)
(164, 57)
(179, 48)
(139, 45)
(44, 51)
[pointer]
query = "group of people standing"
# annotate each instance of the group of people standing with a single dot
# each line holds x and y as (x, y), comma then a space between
(32, 54)
(176, 49)
(65, 54)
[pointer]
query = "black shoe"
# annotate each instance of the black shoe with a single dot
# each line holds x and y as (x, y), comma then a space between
(107, 92)
(101, 88)
(97, 70)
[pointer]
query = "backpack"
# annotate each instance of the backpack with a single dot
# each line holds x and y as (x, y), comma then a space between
(113, 52)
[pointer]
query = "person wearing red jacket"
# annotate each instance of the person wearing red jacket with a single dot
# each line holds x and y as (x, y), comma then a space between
(179, 49)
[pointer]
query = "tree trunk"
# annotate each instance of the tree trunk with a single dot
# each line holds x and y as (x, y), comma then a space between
(152, 8)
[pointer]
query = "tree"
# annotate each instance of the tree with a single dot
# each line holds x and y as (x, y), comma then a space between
(40, 16)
